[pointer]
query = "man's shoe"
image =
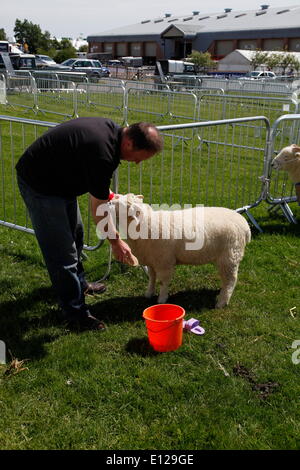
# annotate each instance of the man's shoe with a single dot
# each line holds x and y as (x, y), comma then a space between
(94, 288)
(86, 322)
(92, 323)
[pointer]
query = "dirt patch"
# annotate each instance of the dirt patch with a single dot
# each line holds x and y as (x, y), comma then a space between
(263, 389)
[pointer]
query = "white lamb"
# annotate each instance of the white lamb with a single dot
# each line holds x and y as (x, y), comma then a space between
(288, 159)
(223, 234)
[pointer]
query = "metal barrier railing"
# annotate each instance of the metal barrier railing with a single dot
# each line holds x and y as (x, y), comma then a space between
(216, 106)
(157, 105)
(249, 86)
(21, 91)
(217, 163)
(55, 96)
(279, 190)
(3, 99)
(135, 100)
(16, 134)
(222, 163)
(75, 77)
(101, 99)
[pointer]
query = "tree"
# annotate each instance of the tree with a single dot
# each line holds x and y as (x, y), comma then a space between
(31, 34)
(2, 35)
(202, 60)
(64, 54)
(288, 61)
(259, 58)
(273, 61)
(83, 48)
(296, 64)
(65, 51)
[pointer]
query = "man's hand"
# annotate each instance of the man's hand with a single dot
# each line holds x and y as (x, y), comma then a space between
(120, 249)
(122, 252)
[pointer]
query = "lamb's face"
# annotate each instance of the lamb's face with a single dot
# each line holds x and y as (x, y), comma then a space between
(287, 158)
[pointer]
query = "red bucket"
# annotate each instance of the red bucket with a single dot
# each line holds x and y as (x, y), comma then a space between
(164, 324)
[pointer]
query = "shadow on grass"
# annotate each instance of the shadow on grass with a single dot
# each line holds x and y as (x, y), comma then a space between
(276, 223)
(25, 334)
(140, 346)
(120, 309)
(15, 255)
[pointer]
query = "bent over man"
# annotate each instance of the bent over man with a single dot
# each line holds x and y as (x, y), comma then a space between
(73, 158)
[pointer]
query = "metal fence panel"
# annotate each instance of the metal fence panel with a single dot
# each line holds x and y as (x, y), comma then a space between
(21, 91)
(147, 86)
(2, 89)
(55, 96)
(280, 190)
(16, 134)
(265, 87)
(157, 106)
(215, 83)
(101, 99)
(249, 86)
(213, 163)
(214, 107)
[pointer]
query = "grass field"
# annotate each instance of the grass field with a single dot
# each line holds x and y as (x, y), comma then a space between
(235, 387)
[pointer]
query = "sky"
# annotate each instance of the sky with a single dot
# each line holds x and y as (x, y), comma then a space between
(75, 18)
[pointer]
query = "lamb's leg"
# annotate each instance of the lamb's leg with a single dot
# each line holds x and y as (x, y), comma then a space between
(164, 278)
(151, 285)
(228, 273)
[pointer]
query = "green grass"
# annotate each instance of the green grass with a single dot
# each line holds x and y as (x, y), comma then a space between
(109, 390)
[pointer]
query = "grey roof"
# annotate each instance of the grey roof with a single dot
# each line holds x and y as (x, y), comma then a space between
(248, 55)
(241, 20)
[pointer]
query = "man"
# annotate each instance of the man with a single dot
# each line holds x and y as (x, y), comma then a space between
(73, 158)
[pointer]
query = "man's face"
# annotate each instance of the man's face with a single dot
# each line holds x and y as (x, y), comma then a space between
(130, 154)
(137, 156)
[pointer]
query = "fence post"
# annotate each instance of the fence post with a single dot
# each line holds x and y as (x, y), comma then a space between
(2, 352)
(125, 116)
(35, 94)
(3, 99)
(75, 101)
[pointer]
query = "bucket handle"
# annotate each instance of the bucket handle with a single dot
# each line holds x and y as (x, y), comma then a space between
(166, 328)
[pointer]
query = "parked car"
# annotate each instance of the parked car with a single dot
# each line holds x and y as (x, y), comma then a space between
(44, 61)
(115, 63)
(18, 61)
(93, 68)
(259, 74)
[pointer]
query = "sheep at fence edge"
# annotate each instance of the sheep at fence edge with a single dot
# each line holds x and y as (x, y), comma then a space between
(288, 159)
(223, 235)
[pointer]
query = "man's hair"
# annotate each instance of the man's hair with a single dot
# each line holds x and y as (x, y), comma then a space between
(145, 136)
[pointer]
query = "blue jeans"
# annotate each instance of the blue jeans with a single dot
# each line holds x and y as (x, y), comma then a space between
(59, 231)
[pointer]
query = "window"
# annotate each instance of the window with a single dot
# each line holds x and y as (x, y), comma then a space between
(80, 63)
(282, 11)
(69, 62)
(259, 13)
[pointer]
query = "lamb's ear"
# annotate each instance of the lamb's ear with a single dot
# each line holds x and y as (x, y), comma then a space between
(140, 196)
